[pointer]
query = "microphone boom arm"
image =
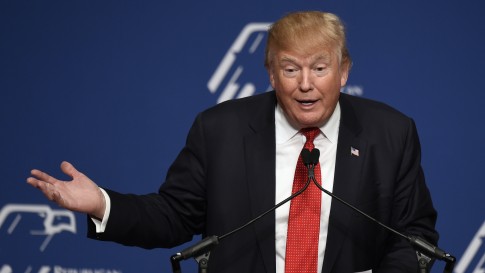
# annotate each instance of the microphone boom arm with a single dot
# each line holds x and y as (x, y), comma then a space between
(201, 250)
(416, 242)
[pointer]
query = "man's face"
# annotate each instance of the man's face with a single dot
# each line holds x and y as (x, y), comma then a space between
(307, 86)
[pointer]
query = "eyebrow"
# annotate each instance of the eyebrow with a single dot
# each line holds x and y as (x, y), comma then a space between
(288, 59)
(325, 57)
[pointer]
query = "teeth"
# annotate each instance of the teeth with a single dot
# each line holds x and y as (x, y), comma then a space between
(306, 102)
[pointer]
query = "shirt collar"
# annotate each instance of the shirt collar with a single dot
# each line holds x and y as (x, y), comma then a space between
(285, 132)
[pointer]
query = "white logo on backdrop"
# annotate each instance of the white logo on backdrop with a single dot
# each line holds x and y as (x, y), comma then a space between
(229, 70)
(51, 223)
(228, 80)
(60, 269)
(473, 260)
(6, 269)
(353, 90)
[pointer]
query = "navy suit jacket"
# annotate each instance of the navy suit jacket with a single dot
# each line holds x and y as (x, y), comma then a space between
(225, 176)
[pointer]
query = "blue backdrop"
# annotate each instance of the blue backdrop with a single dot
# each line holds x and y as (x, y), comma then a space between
(113, 86)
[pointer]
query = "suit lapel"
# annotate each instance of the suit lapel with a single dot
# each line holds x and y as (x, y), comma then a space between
(260, 150)
(347, 178)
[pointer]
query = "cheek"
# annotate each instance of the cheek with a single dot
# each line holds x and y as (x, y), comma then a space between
(284, 84)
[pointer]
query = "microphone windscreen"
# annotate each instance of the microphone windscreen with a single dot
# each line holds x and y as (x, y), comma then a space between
(315, 156)
(306, 156)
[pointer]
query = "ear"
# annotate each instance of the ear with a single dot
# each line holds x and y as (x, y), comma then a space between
(344, 72)
(271, 76)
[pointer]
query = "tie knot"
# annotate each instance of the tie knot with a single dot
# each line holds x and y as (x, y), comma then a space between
(310, 134)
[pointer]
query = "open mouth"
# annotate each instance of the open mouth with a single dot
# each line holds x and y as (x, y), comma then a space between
(306, 102)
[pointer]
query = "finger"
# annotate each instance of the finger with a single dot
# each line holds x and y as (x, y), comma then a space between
(56, 197)
(51, 193)
(45, 188)
(43, 177)
(48, 189)
(69, 169)
(33, 182)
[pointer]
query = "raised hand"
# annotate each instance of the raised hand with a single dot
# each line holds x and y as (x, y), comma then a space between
(80, 194)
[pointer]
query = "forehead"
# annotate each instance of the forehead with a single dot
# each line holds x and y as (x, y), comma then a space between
(304, 57)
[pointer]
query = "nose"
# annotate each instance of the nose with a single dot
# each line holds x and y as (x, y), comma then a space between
(305, 81)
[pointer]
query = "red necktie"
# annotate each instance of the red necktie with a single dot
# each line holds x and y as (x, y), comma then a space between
(304, 219)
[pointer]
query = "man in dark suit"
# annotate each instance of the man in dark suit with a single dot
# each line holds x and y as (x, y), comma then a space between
(239, 161)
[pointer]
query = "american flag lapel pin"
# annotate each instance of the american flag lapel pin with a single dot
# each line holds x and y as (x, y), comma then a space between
(354, 151)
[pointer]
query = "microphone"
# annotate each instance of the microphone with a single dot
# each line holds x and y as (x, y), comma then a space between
(197, 251)
(416, 242)
(200, 250)
(310, 160)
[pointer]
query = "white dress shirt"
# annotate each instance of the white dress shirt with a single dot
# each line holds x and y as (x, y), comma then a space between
(289, 143)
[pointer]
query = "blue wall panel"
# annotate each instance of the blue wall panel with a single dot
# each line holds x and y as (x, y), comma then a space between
(113, 87)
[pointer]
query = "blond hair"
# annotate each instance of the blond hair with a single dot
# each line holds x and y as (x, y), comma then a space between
(305, 32)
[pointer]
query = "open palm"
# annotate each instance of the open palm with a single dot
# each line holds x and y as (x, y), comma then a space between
(80, 194)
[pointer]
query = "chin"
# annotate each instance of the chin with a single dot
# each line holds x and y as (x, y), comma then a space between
(311, 122)
(308, 124)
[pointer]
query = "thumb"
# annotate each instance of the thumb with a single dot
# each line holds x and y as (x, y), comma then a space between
(69, 169)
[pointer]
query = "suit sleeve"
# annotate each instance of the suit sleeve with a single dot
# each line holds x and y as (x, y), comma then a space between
(171, 216)
(412, 212)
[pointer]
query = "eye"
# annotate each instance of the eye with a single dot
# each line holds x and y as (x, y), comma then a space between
(290, 71)
(320, 69)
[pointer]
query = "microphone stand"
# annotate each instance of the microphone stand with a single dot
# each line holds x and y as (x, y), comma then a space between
(201, 250)
(424, 250)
